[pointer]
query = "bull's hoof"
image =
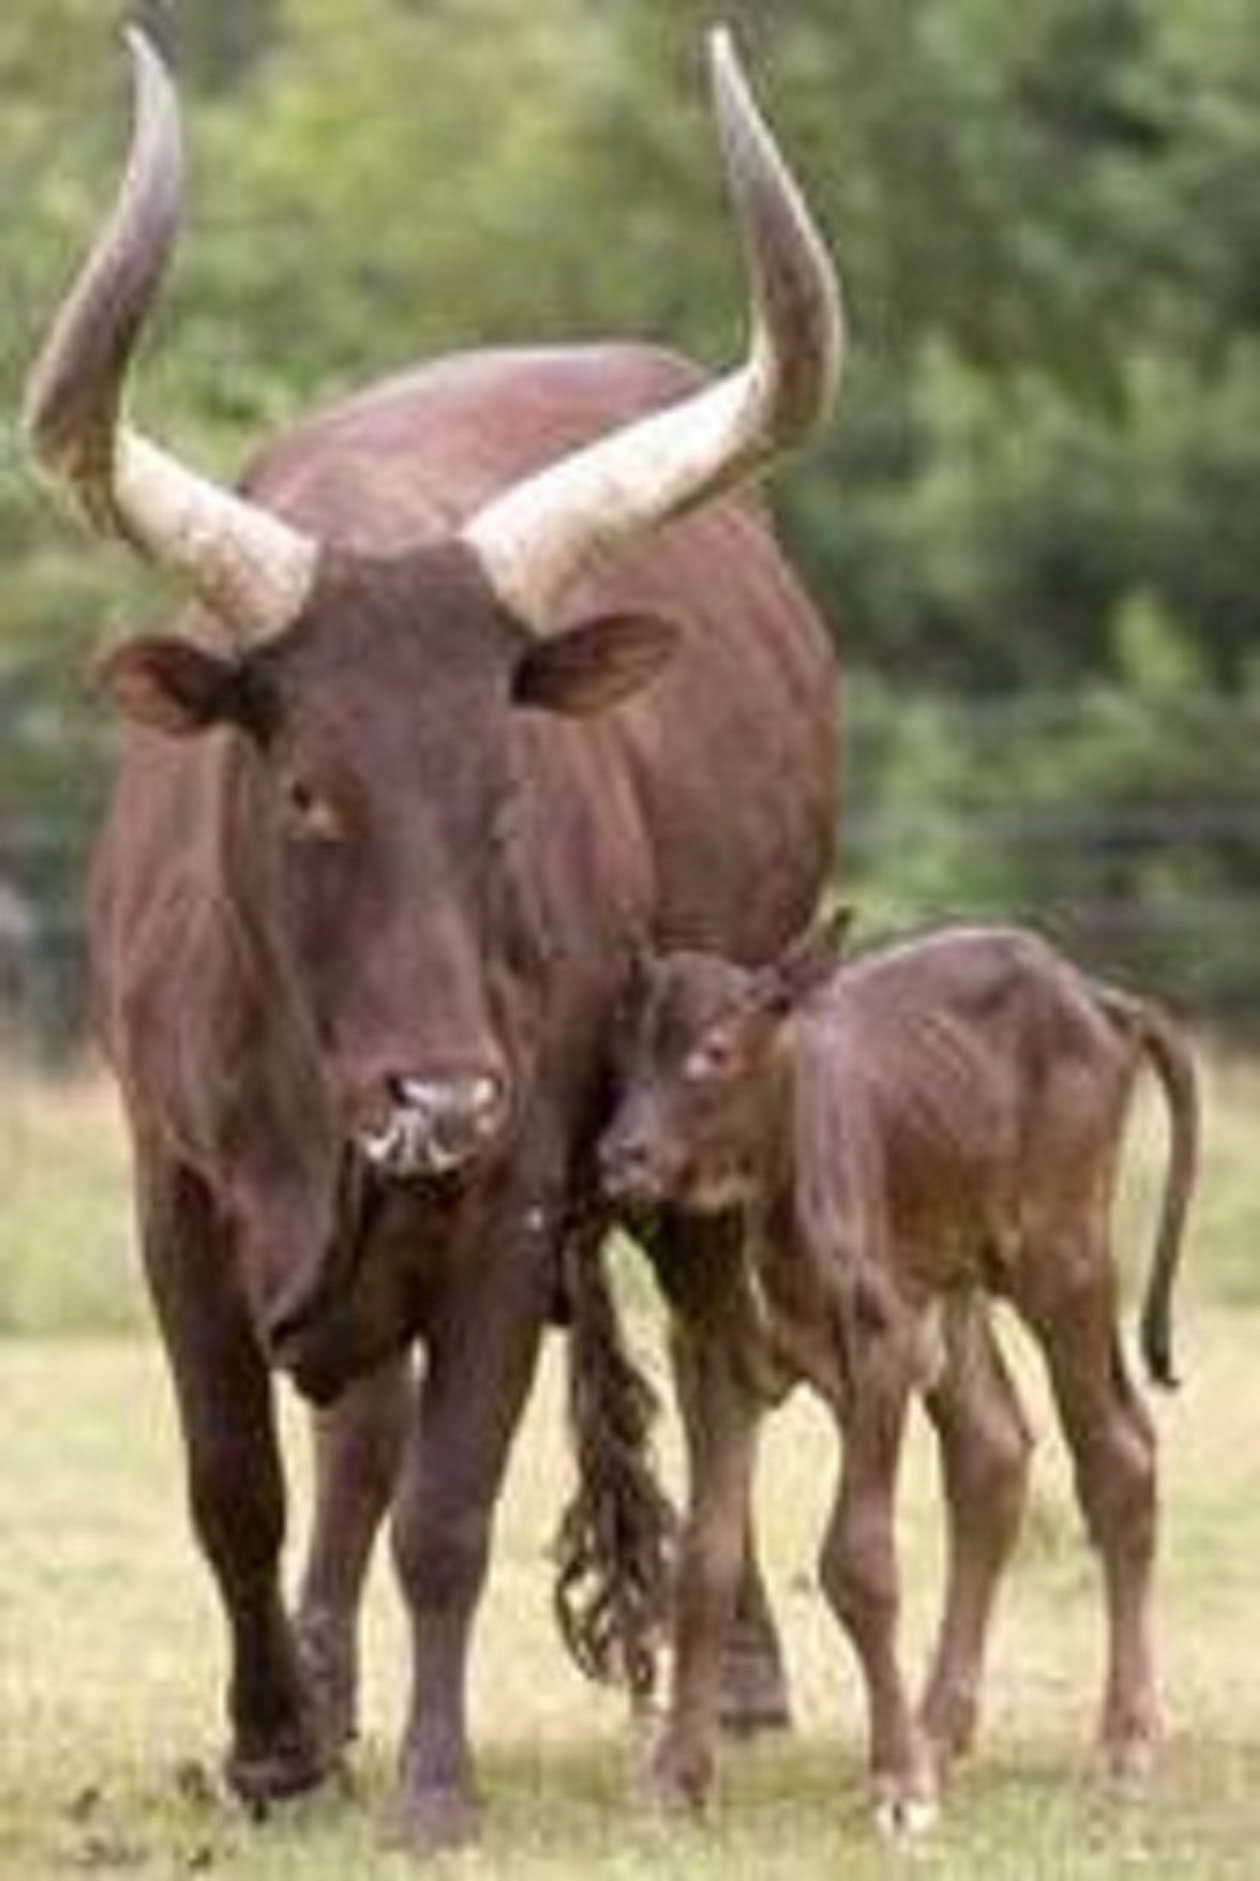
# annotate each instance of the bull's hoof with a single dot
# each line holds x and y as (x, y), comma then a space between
(289, 1764)
(754, 1694)
(426, 1822)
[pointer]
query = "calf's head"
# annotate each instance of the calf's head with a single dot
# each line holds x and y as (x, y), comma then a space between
(704, 1070)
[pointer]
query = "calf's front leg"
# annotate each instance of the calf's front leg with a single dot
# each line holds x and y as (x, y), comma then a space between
(859, 1575)
(720, 1423)
(698, 1259)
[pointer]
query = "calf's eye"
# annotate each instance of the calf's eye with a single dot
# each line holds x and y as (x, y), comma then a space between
(711, 1060)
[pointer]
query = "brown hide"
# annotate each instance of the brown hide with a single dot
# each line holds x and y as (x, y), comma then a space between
(700, 810)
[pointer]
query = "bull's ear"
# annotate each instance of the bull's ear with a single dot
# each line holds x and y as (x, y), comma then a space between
(171, 685)
(590, 667)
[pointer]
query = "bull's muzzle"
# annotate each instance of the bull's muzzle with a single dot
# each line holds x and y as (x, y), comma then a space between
(436, 1126)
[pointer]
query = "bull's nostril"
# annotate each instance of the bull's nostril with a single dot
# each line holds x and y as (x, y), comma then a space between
(473, 1096)
(437, 1124)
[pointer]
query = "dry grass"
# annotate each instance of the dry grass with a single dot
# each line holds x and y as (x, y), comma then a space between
(65, 1240)
(110, 1650)
(110, 1664)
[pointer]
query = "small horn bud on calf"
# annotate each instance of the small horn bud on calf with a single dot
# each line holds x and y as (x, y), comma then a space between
(881, 1147)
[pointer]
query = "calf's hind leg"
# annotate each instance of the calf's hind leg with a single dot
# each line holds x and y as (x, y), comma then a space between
(985, 1448)
(1112, 1443)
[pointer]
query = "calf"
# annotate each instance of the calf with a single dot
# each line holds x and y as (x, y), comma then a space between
(890, 1143)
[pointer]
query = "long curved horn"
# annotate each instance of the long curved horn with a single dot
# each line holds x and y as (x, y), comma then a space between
(535, 537)
(251, 568)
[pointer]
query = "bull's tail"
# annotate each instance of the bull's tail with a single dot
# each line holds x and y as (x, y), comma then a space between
(613, 1546)
(1165, 1047)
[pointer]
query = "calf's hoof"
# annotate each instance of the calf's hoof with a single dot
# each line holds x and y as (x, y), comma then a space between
(949, 1718)
(428, 1821)
(1126, 1765)
(906, 1803)
(902, 1818)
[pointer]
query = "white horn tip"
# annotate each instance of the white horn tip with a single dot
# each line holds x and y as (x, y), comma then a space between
(726, 70)
(151, 75)
(140, 46)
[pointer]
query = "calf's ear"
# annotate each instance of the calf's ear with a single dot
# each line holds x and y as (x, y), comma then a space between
(171, 685)
(590, 667)
(805, 962)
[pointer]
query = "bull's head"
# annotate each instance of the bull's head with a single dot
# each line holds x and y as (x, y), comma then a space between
(374, 693)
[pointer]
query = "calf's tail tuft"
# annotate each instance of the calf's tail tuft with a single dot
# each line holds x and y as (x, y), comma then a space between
(1168, 1052)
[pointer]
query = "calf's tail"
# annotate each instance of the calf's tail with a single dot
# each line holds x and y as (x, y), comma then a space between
(614, 1544)
(1167, 1050)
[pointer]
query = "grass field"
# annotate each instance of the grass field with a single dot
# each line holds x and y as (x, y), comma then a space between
(110, 1659)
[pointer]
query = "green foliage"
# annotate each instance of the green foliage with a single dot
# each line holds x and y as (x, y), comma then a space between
(1048, 219)
(1120, 819)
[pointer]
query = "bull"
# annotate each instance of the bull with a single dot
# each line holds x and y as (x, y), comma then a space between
(486, 676)
(890, 1144)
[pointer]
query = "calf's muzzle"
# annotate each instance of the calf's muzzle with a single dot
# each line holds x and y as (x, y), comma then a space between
(631, 1174)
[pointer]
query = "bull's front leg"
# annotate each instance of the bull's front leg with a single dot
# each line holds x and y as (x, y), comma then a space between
(358, 1442)
(235, 1478)
(481, 1346)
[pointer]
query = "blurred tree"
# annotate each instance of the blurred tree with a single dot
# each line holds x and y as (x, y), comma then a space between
(1048, 218)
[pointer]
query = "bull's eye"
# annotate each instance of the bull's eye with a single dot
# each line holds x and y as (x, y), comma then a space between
(712, 1059)
(312, 816)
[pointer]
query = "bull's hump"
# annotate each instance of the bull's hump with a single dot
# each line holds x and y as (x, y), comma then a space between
(407, 460)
